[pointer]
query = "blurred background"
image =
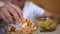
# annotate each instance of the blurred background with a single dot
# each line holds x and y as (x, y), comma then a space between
(49, 5)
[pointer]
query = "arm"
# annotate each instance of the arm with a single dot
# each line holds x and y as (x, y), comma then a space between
(46, 13)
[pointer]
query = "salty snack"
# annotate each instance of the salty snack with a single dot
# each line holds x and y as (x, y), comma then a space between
(27, 27)
(47, 24)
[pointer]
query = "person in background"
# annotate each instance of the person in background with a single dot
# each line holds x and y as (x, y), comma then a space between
(20, 8)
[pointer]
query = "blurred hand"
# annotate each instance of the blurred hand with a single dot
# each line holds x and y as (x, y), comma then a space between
(49, 14)
(11, 13)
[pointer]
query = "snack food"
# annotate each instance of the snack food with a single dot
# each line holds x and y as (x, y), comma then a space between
(28, 27)
(47, 24)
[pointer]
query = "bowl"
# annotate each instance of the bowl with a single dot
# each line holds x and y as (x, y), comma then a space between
(46, 24)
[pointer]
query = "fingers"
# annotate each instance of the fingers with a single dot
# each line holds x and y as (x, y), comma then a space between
(7, 14)
(18, 10)
(3, 16)
(13, 12)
